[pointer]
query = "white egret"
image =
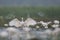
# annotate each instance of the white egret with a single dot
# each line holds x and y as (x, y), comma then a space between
(45, 24)
(5, 24)
(56, 21)
(37, 27)
(29, 22)
(56, 24)
(15, 22)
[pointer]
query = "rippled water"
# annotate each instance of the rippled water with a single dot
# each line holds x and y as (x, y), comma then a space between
(31, 35)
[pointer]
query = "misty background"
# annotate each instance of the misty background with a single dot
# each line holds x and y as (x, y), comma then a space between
(29, 2)
(37, 9)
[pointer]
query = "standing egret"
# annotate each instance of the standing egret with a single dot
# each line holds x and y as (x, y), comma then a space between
(27, 29)
(45, 24)
(56, 21)
(15, 22)
(29, 22)
(56, 24)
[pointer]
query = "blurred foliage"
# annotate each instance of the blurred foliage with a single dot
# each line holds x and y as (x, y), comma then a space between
(33, 11)
(38, 13)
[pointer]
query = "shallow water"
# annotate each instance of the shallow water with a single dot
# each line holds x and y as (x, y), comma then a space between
(31, 35)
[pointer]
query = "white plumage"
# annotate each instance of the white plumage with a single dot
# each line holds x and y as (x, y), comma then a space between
(15, 22)
(45, 24)
(56, 21)
(29, 22)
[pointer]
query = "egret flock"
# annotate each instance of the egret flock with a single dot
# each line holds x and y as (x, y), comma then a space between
(13, 32)
(31, 22)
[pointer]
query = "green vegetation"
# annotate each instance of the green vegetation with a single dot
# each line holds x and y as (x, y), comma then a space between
(33, 11)
(38, 13)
